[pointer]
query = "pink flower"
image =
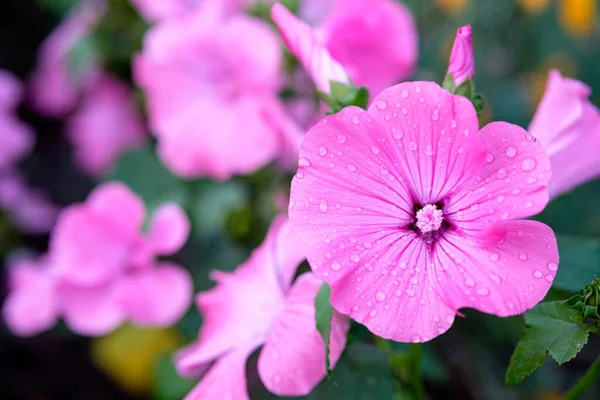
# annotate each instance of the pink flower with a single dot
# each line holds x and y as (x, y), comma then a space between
(16, 138)
(156, 10)
(374, 41)
(462, 60)
(258, 305)
(31, 305)
(105, 269)
(410, 213)
(54, 85)
(211, 92)
(568, 125)
(106, 125)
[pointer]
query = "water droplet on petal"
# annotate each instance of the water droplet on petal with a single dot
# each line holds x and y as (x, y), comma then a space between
(351, 167)
(449, 318)
(470, 282)
(453, 124)
(418, 89)
(511, 151)
(496, 279)
(341, 139)
(354, 258)
(336, 266)
(404, 93)
(537, 274)
(410, 292)
(549, 277)
(323, 151)
(416, 338)
(489, 158)
(380, 296)
(412, 146)
(323, 206)
(397, 134)
(373, 313)
(304, 162)
(483, 291)
(552, 266)
(523, 256)
(404, 111)
(495, 257)
(528, 164)
(375, 149)
(502, 173)
(381, 104)
(355, 119)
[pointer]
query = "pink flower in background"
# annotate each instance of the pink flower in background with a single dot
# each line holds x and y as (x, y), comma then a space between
(374, 41)
(103, 270)
(568, 125)
(257, 305)
(462, 60)
(16, 138)
(54, 85)
(411, 213)
(211, 92)
(31, 305)
(156, 10)
(106, 125)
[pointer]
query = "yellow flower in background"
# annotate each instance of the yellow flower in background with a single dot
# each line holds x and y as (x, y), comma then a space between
(577, 17)
(130, 354)
(452, 6)
(533, 6)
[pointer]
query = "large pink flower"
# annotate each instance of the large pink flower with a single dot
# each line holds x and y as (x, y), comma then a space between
(374, 41)
(568, 125)
(258, 305)
(106, 125)
(55, 85)
(105, 269)
(212, 91)
(410, 212)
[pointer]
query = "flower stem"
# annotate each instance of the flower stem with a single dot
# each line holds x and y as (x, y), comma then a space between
(414, 357)
(587, 380)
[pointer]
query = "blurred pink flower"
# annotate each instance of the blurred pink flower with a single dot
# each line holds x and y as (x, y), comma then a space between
(568, 125)
(462, 60)
(257, 305)
(156, 10)
(105, 125)
(374, 41)
(16, 138)
(410, 212)
(212, 92)
(104, 267)
(54, 85)
(31, 305)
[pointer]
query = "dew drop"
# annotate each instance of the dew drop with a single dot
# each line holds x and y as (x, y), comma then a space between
(470, 282)
(449, 318)
(412, 146)
(354, 258)
(523, 256)
(341, 139)
(355, 308)
(404, 93)
(336, 266)
(375, 150)
(323, 206)
(397, 134)
(381, 104)
(489, 158)
(495, 257)
(351, 167)
(416, 338)
(552, 266)
(355, 120)
(528, 164)
(418, 89)
(410, 292)
(483, 291)
(502, 173)
(453, 124)
(511, 151)
(496, 279)
(537, 274)
(373, 313)
(404, 111)
(323, 151)
(549, 277)
(435, 116)
(304, 162)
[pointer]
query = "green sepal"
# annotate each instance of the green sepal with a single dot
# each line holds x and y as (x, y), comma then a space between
(343, 95)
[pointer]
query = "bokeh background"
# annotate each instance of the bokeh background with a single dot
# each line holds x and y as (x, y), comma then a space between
(516, 43)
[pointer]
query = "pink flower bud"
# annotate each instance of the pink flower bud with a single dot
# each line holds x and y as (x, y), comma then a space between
(462, 61)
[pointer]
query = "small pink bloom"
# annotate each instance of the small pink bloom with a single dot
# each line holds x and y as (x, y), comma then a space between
(417, 214)
(303, 42)
(568, 125)
(157, 10)
(462, 60)
(106, 125)
(54, 87)
(16, 138)
(31, 305)
(210, 91)
(258, 304)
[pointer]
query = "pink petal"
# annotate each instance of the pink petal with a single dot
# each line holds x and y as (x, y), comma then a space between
(16, 141)
(513, 182)
(303, 43)
(244, 304)
(376, 41)
(432, 136)
(156, 10)
(291, 362)
(86, 248)
(90, 310)
(227, 378)
(158, 296)
(118, 205)
(462, 60)
(169, 229)
(31, 306)
(10, 91)
(506, 276)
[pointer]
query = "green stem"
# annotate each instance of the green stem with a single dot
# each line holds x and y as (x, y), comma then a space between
(587, 380)
(414, 356)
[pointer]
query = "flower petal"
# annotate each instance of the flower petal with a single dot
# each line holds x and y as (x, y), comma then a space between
(227, 378)
(292, 361)
(90, 310)
(119, 205)
(506, 275)
(169, 229)
(434, 143)
(158, 296)
(512, 184)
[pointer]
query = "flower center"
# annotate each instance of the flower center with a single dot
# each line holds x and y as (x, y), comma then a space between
(429, 218)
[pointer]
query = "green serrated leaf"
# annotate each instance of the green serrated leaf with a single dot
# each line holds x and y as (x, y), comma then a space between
(579, 261)
(551, 328)
(323, 316)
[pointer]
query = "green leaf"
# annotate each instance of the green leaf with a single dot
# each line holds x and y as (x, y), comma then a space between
(579, 262)
(363, 373)
(551, 328)
(323, 315)
(168, 385)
